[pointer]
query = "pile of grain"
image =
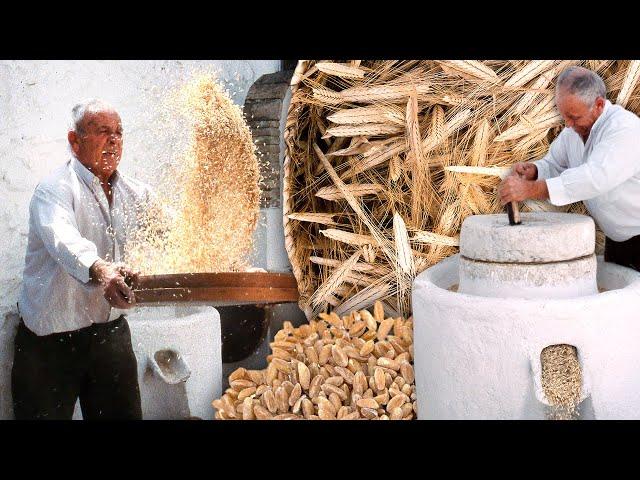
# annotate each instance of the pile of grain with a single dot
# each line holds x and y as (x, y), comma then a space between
(359, 366)
(207, 204)
(374, 151)
(561, 380)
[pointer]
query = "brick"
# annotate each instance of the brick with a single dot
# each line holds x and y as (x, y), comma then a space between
(267, 91)
(270, 140)
(263, 110)
(263, 123)
(268, 156)
(283, 76)
(266, 149)
(265, 132)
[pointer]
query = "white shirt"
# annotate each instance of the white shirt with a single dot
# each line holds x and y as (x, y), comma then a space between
(604, 172)
(71, 225)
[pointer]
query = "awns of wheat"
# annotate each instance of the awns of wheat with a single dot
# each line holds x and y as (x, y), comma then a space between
(385, 159)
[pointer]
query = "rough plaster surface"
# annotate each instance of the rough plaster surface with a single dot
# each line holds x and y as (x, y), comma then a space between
(529, 280)
(36, 98)
(479, 357)
(542, 237)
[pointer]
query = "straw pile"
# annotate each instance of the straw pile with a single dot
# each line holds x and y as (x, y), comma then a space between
(385, 159)
(561, 380)
(207, 205)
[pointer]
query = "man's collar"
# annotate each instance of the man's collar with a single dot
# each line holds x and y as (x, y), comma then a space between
(86, 174)
(607, 106)
(82, 171)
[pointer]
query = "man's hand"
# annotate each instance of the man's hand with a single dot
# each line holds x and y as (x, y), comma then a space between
(130, 276)
(514, 189)
(526, 170)
(517, 189)
(112, 277)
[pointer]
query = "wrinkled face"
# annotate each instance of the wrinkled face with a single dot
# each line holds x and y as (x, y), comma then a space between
(98, 143)
(578, 115)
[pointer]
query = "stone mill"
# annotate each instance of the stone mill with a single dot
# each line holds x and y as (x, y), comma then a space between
(483, 317)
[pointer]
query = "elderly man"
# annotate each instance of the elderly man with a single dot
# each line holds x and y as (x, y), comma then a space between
(70, 342)
(595, 159)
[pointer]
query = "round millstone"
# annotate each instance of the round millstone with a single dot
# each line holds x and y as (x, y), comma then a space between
(568, 279)
(541, 237)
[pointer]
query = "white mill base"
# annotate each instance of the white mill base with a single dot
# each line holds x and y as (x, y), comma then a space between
(179, 354)
(479, 357)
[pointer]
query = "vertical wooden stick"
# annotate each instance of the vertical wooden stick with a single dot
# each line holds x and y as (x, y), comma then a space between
(514, 213)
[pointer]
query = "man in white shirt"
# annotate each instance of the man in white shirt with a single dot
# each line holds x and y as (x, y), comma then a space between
(595, 159)
(72, 341)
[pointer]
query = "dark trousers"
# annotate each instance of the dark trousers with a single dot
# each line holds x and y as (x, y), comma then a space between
(625, 253)
(95, 363)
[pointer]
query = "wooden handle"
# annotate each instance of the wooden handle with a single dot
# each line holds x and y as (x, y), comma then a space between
(514, 213)
(224, 288)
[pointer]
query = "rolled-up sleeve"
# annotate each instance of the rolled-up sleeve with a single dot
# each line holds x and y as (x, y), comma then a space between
(54, 221)
(555, 161)
(612, 161)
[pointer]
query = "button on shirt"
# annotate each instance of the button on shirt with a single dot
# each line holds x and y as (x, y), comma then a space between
(604, 172)
(71, 225)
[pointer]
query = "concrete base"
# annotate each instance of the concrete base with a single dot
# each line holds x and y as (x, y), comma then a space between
(479, 357)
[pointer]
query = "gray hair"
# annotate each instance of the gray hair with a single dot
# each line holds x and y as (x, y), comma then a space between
(583, 83)
(95, 105)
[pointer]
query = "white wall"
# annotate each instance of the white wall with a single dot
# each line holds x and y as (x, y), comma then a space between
(35, 100)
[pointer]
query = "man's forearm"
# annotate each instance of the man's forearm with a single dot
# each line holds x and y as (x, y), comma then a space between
(538, 190)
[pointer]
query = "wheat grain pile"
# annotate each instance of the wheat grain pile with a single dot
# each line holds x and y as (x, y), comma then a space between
(561, 380)
(359, 366)
(207, 204)
(385, 159)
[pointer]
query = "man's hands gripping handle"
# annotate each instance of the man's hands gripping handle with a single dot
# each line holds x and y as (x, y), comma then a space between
(116, 280)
